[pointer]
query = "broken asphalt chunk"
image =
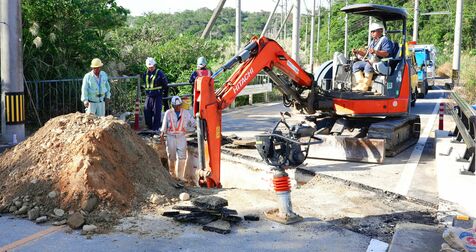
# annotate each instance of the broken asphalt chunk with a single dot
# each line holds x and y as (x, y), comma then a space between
(219, 226)
(251, 217)
(232, 218)
(170, 213)
(210, 202)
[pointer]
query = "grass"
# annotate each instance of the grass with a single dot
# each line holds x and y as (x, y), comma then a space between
(468, 77)
(467, 86)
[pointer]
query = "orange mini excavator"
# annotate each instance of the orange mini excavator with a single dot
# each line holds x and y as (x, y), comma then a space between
(377, 121)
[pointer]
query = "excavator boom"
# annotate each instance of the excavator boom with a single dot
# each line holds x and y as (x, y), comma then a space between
(260, 54)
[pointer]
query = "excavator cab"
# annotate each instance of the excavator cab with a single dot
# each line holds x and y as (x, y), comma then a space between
(391, 74)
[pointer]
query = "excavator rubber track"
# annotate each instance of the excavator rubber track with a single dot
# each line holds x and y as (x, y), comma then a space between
(399, 133)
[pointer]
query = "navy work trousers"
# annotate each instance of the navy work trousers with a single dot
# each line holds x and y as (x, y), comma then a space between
(152, 112)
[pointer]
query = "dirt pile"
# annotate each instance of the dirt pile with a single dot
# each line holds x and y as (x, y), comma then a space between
(81, 161)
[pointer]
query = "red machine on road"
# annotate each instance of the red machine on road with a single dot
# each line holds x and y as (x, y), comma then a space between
(383, 120)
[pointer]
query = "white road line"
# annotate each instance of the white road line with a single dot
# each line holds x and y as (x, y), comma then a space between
(406, 177)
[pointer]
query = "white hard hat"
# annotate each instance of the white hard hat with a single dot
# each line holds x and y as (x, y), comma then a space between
(150, 62)
(376, 26)
(201, 62)
(176, 101)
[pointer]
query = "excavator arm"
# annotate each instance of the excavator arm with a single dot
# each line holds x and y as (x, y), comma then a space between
(260, 54)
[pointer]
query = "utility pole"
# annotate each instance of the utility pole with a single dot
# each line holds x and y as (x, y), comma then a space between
(11, 61)
(318, 27)
(285, 25)
(269, 19)
(311, 40)
(296, 26)
(346, 33)
(238, 26)
(457, 43)
(212, 20)
(329, 26)
(416, 13)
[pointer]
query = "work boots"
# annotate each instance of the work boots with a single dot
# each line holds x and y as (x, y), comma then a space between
(359, 79)
(364, 84)
(368, 81)
(172, 168)
(181, 169)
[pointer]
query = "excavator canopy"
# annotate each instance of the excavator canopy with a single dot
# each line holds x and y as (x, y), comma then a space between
(382, 12)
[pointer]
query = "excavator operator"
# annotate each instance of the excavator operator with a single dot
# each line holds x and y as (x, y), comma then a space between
(380, 47)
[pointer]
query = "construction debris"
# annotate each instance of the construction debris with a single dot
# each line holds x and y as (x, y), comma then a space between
(81, 163)
(219, 226)
(209, 211)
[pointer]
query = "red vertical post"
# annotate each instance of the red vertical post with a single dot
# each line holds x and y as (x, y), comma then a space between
(136, 115)
(137, 109)
(441, 115)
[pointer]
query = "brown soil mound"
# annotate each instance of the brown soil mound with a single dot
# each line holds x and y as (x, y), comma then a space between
(80, 155)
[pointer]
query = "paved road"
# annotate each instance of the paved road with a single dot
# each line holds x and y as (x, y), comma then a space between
(411, 173)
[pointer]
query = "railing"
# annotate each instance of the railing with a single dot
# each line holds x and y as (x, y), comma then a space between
(57, 97)
(51, 98)
(465, 118)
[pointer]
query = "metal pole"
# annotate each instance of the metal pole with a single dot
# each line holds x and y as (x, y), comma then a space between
(296, 26)
(318, 27)
(346, 34)
(329, 26)
(212, 20)
(11, 61)
(311, 40)
(415, 20)
(457, 43)
(283, 24)
(269, 19)
(370, 36)
(238, 26)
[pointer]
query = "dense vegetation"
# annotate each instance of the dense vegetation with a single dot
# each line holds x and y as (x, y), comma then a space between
(61, 37)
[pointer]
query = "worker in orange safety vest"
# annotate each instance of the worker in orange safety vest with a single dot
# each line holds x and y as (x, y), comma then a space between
(176, 123)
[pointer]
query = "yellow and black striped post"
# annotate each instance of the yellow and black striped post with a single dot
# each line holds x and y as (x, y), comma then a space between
(14, 108)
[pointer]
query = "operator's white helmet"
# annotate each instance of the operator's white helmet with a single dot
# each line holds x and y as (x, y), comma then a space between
(201, 62)
(150, 62)
(176, 101)
(376, 26)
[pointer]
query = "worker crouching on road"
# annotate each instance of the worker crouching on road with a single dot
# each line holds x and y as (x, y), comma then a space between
(155, 88)
(95, 89)
(177, 121)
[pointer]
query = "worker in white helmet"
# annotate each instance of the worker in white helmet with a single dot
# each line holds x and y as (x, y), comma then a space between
(95, 89)
(380, 47)
(155, 89)
(202, 70)
(177, 122)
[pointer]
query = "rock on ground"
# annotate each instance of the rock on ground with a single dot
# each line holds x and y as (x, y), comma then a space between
(76, 220)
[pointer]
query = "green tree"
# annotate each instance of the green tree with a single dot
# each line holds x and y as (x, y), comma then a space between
(62, 36)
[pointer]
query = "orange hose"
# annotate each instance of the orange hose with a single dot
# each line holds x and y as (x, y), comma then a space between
(282, 184)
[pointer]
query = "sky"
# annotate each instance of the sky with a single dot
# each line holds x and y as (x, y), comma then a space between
(138, 7)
